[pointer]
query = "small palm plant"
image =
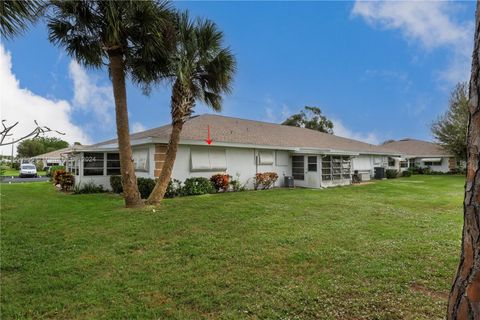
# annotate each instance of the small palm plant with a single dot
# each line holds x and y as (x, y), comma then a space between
(200, 69)
(126, 35)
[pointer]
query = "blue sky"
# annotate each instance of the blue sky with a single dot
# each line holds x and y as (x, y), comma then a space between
(380, 70)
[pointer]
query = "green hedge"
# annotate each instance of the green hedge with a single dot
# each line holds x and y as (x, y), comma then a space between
(197, 186)
(391, 173)
(406, 173)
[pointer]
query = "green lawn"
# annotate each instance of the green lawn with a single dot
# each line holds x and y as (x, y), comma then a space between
(15, 173)
(386, 250)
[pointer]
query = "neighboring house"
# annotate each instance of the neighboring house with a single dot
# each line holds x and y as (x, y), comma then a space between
(241, 148)
(418, 153)
(53, 158)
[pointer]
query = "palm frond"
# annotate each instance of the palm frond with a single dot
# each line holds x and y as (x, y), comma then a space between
(17, 15)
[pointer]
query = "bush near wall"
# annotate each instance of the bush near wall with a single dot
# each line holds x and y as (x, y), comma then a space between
(116, 184)
(56, 176)
(66, 180)
(265, 180)
(406, 173)
(220, 181)
(145, 186)
(51, 171)
(197, 186)
(89, 187)
(391, 173)
(174, 189)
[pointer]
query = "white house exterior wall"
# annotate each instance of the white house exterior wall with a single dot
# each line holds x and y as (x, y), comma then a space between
(442, 168)
(240, 161)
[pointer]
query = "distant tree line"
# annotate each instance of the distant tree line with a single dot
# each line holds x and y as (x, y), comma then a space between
(33, 147)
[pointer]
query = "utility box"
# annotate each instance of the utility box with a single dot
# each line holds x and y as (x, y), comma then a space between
(288, 182)
(379, 173)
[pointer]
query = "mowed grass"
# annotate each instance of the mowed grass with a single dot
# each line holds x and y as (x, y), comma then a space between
(386, 250)
(16, 173)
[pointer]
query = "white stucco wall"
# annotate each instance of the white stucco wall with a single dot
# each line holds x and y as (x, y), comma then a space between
(240, 161)
(365, 164)
(442, 168)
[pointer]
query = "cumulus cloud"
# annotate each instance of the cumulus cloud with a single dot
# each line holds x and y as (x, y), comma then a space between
(430, 24)
(339, 129)
(22, 105)
(91, 97)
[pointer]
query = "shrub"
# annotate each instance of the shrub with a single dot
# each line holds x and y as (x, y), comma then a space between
(406, 173)
(116, 184)
(145, 186)
(51, 171)
(174, 189)
(57, 175)
(15, 166)
(89, 187)
(220, 181)
(197, 186)
(427, 170)
(265, 180)
(39, 165)
(391, 173)
(236, 185)
(66, 180)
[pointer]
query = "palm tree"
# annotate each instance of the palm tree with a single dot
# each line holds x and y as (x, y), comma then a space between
(17, 15)
(124, 34)
(464, 298)
(200, 69)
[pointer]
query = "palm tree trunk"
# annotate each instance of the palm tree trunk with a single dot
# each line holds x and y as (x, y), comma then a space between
(162, 183)
(464, 299)
(129, 179)
(182, 104)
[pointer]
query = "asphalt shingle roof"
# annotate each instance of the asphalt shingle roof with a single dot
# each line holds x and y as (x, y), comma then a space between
(418, 148)
(251, 132)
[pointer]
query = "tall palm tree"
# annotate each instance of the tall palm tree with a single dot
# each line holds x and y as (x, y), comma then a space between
(464, 298)
(124, 34)
(200, 69)
(17, 15)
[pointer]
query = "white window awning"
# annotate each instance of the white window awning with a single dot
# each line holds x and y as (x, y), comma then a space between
(431, 159)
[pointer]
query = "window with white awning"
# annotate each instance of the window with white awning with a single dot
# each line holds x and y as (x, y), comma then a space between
(432, 161)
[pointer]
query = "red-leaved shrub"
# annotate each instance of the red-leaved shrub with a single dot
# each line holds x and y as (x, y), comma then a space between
(265, 180)
(220, 181)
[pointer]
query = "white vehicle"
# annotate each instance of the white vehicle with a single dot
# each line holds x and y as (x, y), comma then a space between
(28, 170)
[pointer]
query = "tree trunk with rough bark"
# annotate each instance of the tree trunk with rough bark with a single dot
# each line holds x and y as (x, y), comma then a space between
(182, 105)
(464, 299)
(127, 169)
(162, 183)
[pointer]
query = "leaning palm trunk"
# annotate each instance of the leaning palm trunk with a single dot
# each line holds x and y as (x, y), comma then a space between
(464, 299)
(130, 188)
(182, 104)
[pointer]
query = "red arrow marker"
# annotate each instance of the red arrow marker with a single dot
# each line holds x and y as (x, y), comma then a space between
(209, 141)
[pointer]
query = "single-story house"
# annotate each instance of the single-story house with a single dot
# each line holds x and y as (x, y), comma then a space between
(52, 158)
(240, 148)
(422, 154)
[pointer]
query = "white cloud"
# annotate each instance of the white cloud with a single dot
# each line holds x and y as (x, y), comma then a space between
(91, 97)
(340, 130)
(22, 105)
(137, 127)
(428, 23)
